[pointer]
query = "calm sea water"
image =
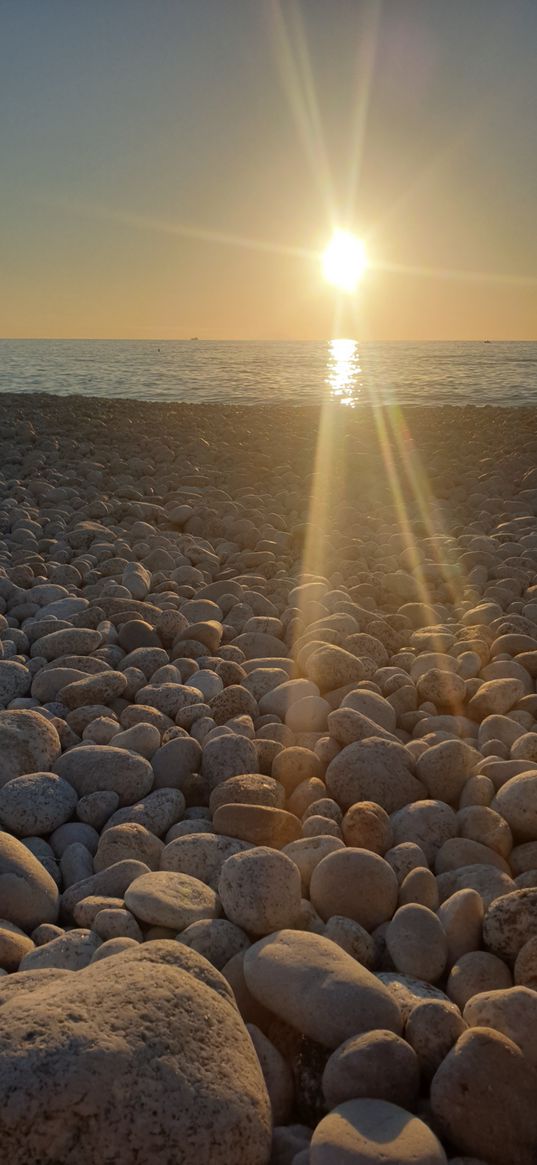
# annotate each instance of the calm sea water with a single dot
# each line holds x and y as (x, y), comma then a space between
(344, 371)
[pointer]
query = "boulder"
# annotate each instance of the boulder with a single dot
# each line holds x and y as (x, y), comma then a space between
(91, 1089)
(317, 988)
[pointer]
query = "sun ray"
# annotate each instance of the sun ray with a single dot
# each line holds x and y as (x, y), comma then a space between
(455, 273)
(294, 64)
(365, 65)
(184, 230)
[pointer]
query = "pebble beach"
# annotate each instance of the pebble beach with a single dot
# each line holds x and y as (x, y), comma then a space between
(268, 784)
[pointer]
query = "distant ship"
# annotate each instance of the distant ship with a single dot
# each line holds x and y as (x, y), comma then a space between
(194, 337)
(486, 341)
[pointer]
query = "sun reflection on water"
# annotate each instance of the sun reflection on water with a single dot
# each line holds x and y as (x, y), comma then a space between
(343, 371)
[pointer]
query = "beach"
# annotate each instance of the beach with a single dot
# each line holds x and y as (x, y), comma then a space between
(268, 783)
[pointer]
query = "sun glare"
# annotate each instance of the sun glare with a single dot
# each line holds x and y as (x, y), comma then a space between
(344, 261)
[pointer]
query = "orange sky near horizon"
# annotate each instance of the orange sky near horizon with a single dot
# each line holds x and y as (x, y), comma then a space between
(176, 169)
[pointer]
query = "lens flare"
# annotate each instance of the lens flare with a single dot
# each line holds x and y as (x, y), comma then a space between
(344, 261)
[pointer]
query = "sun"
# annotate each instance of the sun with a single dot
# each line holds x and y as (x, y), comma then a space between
(344, 260)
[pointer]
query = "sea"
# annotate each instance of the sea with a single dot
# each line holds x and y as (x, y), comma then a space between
(343, 372)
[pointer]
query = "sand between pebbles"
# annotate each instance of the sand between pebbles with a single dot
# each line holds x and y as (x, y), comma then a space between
(268, 784)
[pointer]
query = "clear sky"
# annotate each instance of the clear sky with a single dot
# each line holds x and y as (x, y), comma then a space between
(172, 168)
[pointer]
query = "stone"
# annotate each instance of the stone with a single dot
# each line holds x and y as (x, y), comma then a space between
(14, 944)
(352, 938)
(248, 789)
(523, 857)
(28, 744)
(408, 992)
(36, 804)
(461, 851)
(113, 946)
(125, 841)
(445, 689)
(172, 900)
(277, 1075)
(429, 824)
(258, 824)
(417, 943)
(378, 1065)
(116, 922)
(525, 748)
(445, 768)
(367, 826)
(331, 667)
(478, 791)
(509, 1010)
(509, 922)
(481, 1099)
(431, 1029)
(317, 988)
(373, 770)
(475, 972)
(175, 761)
(69, 952)
(86, 911)
(501, 728)
(375, 707)
(250, 1010)
(461, 916)
(99, 689)
(158, 811)
(290, 1145)
(516, 802)
(489, 882)
(317, 825)
(308, 715)
(495, 698)
(143, 739)
(111, 883)
(207, 682)
(374, 1132)
(307, 852)
(74, 832)
(294, 765)
(483, 824)
(260, 645)
(91, 768)
(28, 894)
(233, 701)
(405, 857)
(217, 939)
(76, 863)
(215, 1096)
(29, 981)
(94, 720)
(201, 855)
(169, 698)
(260, 890)
(70, 641)
(15, 681)
(50, 680)
(227, 756)
(525, 972)
(357, 884)
(305, 795)
(420, 887)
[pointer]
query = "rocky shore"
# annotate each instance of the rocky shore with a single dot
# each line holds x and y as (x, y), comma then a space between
(268, 784)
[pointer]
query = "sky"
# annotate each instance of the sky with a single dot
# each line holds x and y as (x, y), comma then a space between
(173, 168)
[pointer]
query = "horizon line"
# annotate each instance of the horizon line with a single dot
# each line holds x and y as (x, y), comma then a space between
(258, 340)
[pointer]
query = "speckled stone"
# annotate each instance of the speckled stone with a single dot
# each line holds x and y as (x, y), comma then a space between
(215, 1093)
